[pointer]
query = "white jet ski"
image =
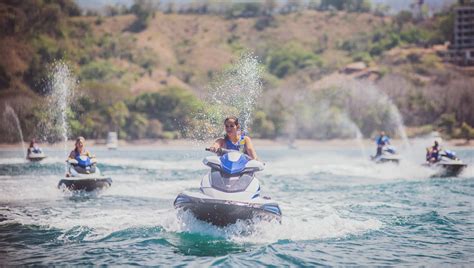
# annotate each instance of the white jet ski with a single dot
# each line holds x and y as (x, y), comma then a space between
(83, 175)
(447, 164)
(389, 155)
(229, 192)
(35, 155)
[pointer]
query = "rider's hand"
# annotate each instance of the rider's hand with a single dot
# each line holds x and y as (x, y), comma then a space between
(213, 149)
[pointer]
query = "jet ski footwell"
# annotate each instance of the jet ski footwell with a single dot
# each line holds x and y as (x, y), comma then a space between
(225, 212)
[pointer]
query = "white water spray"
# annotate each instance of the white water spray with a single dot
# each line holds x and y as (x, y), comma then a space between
(235, 92)
(62, 83)
(9, 111)
(363, 97)
(239, 88)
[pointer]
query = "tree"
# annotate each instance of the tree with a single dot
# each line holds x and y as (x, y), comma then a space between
(143, 10)
(117, 115)
(467, 132)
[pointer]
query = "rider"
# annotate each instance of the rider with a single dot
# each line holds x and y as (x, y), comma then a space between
(34, 148)
(381, 141)
(432, 153)
(79, 151)
(235, 139)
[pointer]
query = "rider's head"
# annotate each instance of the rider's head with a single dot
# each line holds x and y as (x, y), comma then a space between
(231, 125)
(436, 143)
(32, 143)
(382, 133)
(80, 142)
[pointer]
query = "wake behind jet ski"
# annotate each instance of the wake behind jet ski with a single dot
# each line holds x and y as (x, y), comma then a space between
(229, 192)
(34, 153)
(446, 163)
(83, 174)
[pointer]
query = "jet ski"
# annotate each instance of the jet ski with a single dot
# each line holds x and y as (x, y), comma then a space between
(35, 155)
(447, 164)
(229, 192)
(83, 175)
(388, 155)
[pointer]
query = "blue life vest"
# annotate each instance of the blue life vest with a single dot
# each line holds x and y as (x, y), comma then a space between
(83, 160)
(238, 146)
(382, 140)
(435, 152)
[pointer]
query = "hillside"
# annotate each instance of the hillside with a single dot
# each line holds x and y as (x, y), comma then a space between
(193, 47)
(173, 53)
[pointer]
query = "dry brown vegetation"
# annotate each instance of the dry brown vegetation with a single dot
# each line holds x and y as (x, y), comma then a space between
(188, 51)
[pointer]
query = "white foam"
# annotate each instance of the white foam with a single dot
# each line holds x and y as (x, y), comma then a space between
(153, 164)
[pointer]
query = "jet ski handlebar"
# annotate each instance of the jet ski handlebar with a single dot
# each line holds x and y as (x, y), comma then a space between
(75, 162)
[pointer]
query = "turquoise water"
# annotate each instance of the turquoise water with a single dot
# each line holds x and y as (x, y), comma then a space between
(338, 209)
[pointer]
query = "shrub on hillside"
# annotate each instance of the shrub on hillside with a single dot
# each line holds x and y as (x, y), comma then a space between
(262, 127)
(347, 5)
(467, 132)
(136, 127)
(244, 10)
(100, 70)
(173, 107)
(155, 129)
(288, 59)
(265, 22)
(143, 10)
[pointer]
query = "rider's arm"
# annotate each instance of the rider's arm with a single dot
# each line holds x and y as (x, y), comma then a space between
(219, 143)
(250, 149)
(91, 156)
(72, 155)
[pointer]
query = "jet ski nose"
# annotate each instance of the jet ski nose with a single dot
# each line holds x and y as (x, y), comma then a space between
(181, 199)
(272, 208)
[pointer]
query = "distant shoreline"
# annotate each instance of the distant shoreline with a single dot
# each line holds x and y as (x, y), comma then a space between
(259, 143)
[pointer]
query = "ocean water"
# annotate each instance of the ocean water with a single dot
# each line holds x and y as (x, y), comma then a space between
(338, 209)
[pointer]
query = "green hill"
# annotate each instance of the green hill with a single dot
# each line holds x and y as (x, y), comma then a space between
(162, 56)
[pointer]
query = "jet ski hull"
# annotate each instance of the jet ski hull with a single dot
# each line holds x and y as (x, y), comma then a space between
(87, 185)
(35, 158)
(448, 170)
(383, 160)
(225, 212)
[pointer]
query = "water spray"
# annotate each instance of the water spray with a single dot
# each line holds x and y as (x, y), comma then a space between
(61, 84)
(9, 111)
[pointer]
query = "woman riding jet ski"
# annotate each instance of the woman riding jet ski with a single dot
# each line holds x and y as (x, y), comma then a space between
(230, 191)
(34, 153)
(445, 161)
(386, 153)
(83, 175)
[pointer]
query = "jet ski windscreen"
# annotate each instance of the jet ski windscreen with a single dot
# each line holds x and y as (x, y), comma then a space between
(230, 184)
(233, 163)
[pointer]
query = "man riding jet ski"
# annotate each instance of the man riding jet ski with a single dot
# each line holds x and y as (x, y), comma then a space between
(83, 175)
(229, 192)
(34, 153)
(445, 161)
(385, 151)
